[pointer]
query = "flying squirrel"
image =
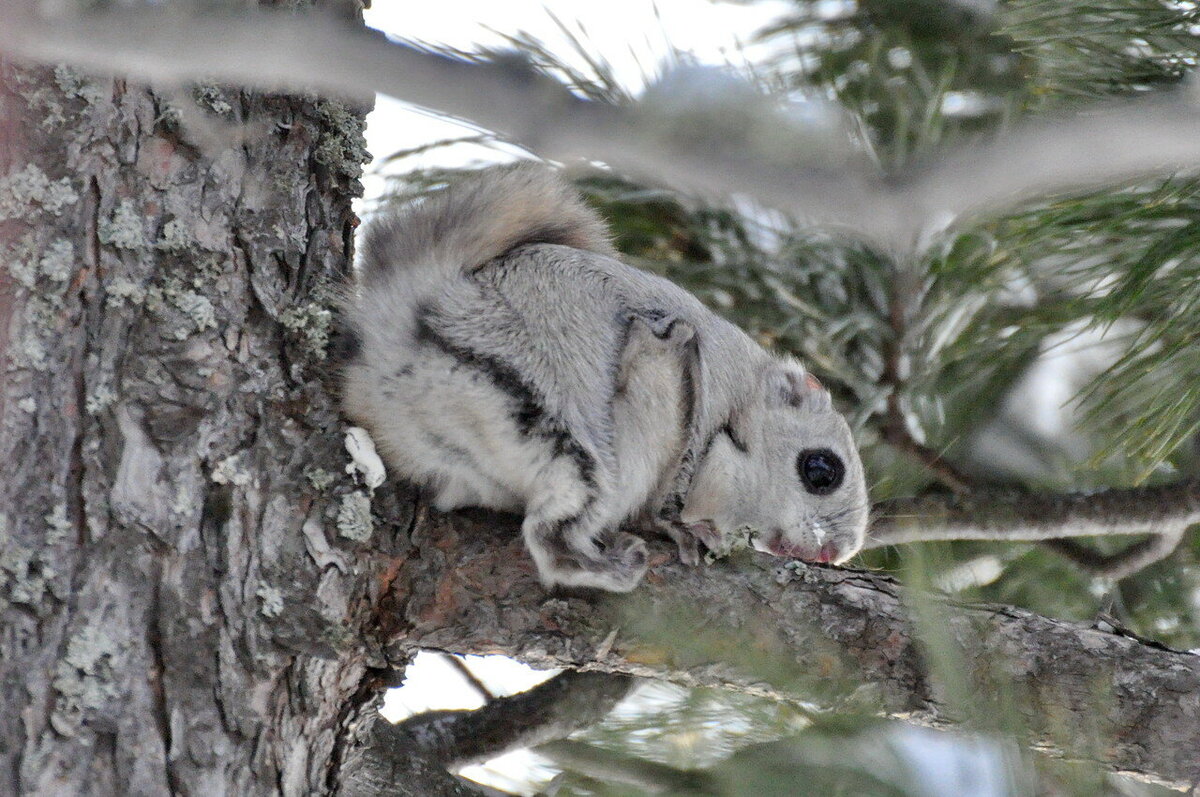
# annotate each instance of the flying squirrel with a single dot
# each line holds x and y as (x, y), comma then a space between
(503, 357)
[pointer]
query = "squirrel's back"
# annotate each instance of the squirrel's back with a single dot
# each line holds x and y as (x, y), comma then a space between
(478, 219)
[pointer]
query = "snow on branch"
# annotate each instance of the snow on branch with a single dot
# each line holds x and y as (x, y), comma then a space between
(312, 51)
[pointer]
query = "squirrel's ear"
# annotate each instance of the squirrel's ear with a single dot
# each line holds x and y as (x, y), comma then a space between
(790, 384)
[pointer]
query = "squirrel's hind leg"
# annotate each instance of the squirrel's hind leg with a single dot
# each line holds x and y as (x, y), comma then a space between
(568, 554)
(573, 544)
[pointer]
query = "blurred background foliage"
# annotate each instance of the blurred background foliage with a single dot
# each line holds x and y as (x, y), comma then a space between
(1055, 347)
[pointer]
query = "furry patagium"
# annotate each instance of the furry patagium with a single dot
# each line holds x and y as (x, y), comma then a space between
(505, 358)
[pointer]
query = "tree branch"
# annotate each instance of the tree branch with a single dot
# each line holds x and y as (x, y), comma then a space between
(306, 51)
(896, 434)
(1164, 511)
(894, 429)
(974, 513)
(552, 710)
(1141, 554)
(833, 637)
(608, 767)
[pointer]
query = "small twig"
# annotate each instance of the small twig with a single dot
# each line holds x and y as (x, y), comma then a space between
(472, 680)
(896, 434)
(1137, 556)
(894, 430)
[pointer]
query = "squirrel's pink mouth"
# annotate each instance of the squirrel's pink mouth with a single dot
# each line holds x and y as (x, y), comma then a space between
(810, 552)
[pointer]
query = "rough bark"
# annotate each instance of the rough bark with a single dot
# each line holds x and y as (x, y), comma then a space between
(182, 608)
(840, 638)
(383, 760)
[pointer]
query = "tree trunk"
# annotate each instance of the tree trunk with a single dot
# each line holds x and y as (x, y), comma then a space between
(186, 591)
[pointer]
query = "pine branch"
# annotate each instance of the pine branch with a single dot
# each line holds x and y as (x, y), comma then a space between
(896, 434)
(1164, 512)
(305, 51)
(605, 766)
(1126, 562)
(894, 429)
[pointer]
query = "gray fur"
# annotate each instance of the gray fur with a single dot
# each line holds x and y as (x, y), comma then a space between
(508, 360)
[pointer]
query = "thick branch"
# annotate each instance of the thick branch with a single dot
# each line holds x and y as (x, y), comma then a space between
(299, 51)
(1164, 511)
(553, 710)
(819, 634)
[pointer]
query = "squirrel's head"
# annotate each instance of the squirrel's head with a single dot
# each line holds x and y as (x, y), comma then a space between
(785, 465)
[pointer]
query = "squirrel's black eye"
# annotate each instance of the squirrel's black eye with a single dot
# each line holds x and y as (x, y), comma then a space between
(821, 470)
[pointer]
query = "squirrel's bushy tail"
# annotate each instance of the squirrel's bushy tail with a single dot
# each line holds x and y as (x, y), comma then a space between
(480, 218)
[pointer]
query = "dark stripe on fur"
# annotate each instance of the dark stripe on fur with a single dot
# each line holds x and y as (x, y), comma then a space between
(738, 443)
(562, 234)
(450, 451)
(672, 508)
(554, 537)
(617, 369)
(672, 505)
(529, 413)
(691, 375)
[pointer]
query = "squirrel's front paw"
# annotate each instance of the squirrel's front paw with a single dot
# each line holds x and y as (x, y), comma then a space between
(706, 532)
(689, 537)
